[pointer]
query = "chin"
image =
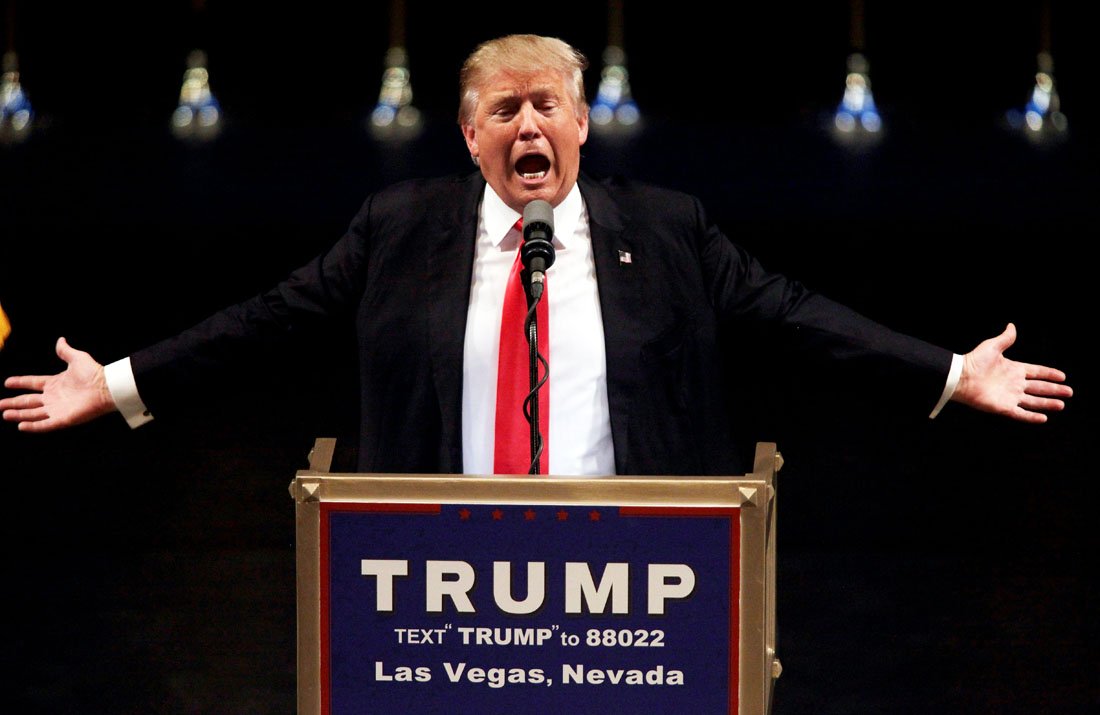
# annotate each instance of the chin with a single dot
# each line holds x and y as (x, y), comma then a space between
(544, 193)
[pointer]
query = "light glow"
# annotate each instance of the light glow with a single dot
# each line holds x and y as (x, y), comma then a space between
(614, 110)
(16, 114)
(198, 115)
(857, 119)
(394, 116)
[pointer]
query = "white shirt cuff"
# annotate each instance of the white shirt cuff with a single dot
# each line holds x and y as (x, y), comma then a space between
(953, 376)
(123, 389)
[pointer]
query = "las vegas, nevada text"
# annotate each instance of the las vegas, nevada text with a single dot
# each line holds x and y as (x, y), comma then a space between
(453, 582)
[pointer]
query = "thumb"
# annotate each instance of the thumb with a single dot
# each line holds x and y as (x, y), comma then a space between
(1006, 339)
(65, 351)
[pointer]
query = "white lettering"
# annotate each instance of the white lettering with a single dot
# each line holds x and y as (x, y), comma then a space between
(384, 570)
(614, 585)
(454, 674)
(578, 674)
(536, 587)
(668, 581)
(483, 635)
(457, 589)
(401, 674)
(582, 592)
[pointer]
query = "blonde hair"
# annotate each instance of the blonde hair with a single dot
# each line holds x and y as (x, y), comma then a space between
(522, 54)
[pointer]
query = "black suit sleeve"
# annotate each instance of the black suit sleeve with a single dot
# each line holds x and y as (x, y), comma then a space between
(871, 356)
(246, 335)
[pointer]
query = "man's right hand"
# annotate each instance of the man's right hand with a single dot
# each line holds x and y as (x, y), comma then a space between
(76, 395)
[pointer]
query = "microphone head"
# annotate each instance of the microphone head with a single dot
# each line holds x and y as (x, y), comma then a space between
(538, 216)
(538, 233)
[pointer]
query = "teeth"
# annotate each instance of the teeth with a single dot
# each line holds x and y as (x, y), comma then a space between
(535, 175)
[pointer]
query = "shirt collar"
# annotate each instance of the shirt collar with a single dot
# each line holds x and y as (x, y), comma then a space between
(498, 218)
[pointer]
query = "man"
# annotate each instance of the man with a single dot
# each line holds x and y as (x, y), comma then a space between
(642, 291)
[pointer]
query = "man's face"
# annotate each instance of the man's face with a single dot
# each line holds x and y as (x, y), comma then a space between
(527, 137)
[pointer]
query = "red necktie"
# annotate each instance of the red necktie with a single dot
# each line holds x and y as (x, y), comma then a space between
(512, 452)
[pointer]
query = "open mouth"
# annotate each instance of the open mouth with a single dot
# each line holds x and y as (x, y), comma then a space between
(533, 166)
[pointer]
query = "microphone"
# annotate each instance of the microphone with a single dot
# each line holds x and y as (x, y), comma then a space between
(537, 253)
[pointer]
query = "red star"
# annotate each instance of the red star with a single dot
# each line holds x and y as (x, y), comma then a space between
(593, 515)
(562, 515)
(497, 515)
(529, 515)
(464, 514)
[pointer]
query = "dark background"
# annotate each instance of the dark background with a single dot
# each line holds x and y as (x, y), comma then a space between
(925, 566)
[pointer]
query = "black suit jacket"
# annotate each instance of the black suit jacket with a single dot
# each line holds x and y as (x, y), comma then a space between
(401, 275)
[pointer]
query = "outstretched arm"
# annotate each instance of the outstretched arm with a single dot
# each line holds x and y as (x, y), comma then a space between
(76, 395)
(992, 383)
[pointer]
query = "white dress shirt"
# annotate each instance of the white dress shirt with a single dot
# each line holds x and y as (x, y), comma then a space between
(579, 439)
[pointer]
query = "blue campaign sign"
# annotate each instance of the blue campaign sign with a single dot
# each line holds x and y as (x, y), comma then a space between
(503, 608)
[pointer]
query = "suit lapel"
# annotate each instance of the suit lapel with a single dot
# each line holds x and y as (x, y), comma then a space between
(619, 283)
(450, 267)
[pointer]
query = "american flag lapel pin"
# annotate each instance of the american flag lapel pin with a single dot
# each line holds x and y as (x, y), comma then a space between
(624, 258)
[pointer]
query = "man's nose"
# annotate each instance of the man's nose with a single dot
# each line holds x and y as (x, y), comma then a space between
(528, 121)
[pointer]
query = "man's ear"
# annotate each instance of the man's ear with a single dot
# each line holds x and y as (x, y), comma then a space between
(470, 135)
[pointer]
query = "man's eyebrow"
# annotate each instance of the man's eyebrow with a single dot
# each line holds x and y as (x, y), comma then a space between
(501, 96)
(536, 91)
(546, 90)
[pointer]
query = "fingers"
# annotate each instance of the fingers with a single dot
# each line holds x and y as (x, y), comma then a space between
(1042, 372)
(1045, 404)
(35, 414)
(26, 382)
(1047, 389)
(21, 402)
(42, 425)
(38, 382)
(1039, 397)
(1035, 418)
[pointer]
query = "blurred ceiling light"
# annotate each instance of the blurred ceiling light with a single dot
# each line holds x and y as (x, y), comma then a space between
(857, 118)
(614, 109)
(16, 114)
(1041, 119)
(394, 117)
(198, 116)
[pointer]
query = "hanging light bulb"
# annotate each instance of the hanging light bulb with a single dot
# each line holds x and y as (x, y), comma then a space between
(1041, 119)
(856, 118)
(16, 114)
(198, 116)
(394, 116)
(614, 109)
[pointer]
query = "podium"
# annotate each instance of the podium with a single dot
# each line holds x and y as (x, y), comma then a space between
(504, 594)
